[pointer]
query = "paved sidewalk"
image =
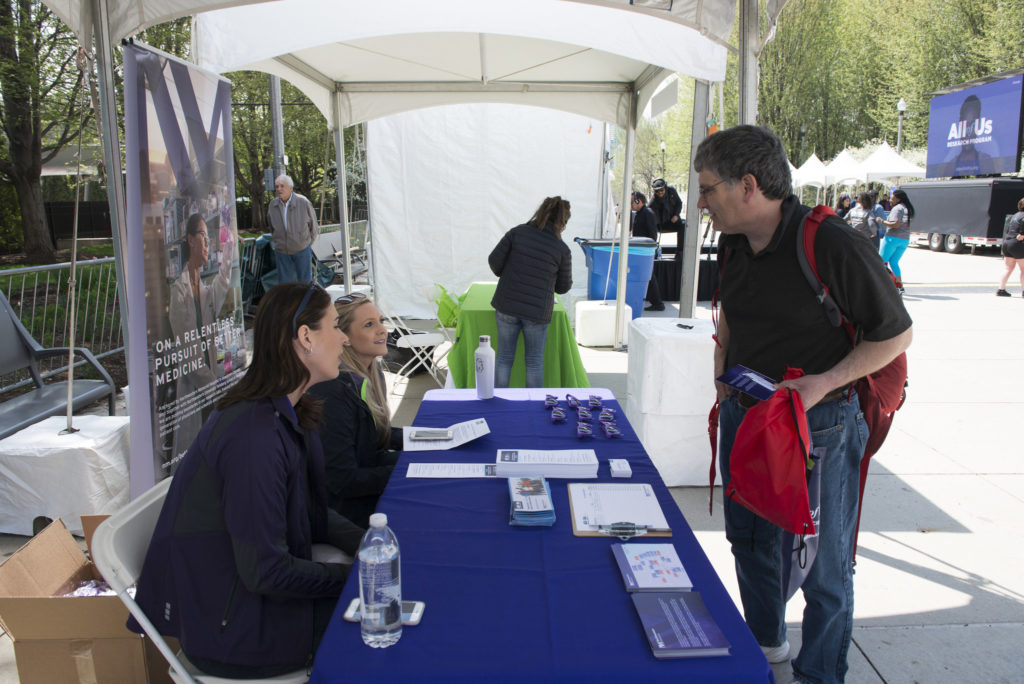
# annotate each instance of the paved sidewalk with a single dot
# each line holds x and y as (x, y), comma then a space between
(940, 594)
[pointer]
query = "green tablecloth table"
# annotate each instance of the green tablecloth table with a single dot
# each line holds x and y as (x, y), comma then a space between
(562, 364)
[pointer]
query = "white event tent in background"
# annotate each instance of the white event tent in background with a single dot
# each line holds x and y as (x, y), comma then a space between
(844, 170)
(811, 173)
(884, 164)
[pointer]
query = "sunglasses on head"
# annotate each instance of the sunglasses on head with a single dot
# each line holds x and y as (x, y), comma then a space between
(349, 298)
(302, 307)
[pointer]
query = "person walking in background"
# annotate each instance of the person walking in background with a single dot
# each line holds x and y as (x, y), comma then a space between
(667, 206)
(879, 213)
(645, 224)
(532, 263)
(1013, 250)
(861, 217)
(883, 201)
(843, 206)
(294, 227)
(897, 234)
(360, 446)
(770, 319)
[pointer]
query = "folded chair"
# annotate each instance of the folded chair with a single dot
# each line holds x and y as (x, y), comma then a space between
(119, 548)
(421, 343)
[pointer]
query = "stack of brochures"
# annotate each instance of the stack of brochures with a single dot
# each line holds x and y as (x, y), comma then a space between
(530, 502)
(678, 625)
(651, 567)
(565, 463)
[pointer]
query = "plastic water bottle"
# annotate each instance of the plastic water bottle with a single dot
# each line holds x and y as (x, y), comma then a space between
(380, 584)
(484, 358)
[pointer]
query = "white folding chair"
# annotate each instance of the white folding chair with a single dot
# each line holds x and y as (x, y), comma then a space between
(119, 548)
(423, 345)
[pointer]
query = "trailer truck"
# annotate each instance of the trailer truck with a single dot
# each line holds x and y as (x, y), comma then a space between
(951, 215)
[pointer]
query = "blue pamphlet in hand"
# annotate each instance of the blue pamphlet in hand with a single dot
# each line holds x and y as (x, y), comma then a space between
(748, 381)
(530, 502)
(678, 625)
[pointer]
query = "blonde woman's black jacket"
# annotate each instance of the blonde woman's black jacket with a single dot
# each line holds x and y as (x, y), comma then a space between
(357, 469)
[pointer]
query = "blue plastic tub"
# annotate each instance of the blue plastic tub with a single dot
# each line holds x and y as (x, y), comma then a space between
(601, 259)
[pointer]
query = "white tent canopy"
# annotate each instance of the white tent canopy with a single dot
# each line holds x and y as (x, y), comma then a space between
(844, 170)
(884, 163)
(811, 173)
(125, 18)
(580, 58)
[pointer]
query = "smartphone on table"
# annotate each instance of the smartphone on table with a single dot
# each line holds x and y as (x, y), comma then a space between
(412, 612)
(430, 434)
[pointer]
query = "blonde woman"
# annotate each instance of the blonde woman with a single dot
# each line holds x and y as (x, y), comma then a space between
(360, 446)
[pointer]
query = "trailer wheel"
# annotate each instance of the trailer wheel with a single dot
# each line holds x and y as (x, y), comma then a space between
(936, 242)
(954, 244)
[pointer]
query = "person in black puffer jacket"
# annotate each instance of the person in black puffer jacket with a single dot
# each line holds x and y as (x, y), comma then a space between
(531, 263)
(360, 446)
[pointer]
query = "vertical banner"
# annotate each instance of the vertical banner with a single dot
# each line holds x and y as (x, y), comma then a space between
(186, 333)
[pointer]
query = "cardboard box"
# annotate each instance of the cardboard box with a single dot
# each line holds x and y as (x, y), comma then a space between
(69, 639)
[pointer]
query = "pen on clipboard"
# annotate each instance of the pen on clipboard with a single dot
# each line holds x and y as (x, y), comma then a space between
(623, 530)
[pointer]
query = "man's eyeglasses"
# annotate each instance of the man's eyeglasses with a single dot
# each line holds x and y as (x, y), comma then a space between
(705, 191)
(302, 307)
(349, 298)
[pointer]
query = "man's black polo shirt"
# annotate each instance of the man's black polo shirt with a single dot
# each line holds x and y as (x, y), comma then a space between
(773, 317)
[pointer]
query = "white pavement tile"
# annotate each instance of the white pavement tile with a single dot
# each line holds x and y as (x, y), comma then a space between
(956, 653)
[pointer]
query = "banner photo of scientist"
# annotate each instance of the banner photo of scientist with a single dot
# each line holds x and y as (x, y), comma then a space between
(186, 333)
(976, 131)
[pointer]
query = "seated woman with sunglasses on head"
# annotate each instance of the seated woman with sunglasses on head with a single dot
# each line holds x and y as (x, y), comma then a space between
(360, 446)
(230, 568)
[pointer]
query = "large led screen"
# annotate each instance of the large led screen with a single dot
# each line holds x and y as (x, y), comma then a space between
(976, 131)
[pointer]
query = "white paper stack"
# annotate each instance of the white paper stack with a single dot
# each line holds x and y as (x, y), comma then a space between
(564, 463)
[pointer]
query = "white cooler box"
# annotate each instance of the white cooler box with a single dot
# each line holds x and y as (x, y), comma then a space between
(671, 369)
(595, 323)
(678, 446)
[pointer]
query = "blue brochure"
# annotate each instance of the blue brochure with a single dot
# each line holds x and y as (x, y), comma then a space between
(748, 381)
(530, 502)
(678, 625)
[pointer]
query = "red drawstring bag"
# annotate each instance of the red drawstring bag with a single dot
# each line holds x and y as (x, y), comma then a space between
(770, 458)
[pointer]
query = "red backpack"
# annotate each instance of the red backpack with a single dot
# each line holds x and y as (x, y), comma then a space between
(881, 393)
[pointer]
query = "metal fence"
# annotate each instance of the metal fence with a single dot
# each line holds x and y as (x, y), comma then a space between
(39, 295)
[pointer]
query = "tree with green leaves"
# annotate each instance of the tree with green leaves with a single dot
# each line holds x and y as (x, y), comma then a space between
(41, 108)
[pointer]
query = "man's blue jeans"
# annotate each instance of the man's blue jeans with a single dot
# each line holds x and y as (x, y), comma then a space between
(838, 428)
(534, 337)
(295, 267)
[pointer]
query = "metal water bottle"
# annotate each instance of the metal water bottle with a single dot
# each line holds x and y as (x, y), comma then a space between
(484, 358)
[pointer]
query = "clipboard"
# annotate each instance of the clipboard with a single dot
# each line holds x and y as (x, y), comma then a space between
(635, 502)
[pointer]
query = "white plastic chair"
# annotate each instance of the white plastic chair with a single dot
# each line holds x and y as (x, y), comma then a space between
(119, 548)
(423, 345)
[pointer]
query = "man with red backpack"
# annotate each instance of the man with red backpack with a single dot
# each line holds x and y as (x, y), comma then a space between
(771, 320)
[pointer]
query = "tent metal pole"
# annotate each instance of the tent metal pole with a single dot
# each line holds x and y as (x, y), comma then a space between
(276, 126)
(112, 156)
(602, 185)
(692, 240)
(342, 183)
(624, 216)
(749, 44)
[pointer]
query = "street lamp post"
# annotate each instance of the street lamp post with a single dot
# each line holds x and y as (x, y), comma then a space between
(803, 134)
(901, 107)
(662, 158)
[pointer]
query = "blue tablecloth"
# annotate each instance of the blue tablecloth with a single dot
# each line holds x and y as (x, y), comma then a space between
(522, 604)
